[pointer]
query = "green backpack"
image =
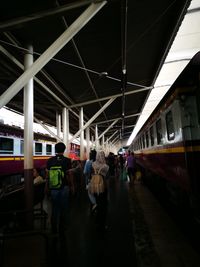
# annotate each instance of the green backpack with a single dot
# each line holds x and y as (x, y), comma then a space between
(56, 176)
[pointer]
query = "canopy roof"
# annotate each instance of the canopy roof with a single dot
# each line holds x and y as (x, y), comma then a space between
(118, 53)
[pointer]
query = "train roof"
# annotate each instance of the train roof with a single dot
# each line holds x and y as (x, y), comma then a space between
(88, 70)
(15, 131)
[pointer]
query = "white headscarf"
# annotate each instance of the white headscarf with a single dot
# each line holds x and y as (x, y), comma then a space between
(100, 163)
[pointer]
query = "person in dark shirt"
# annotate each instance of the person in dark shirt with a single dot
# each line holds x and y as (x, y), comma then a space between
(130, 164)
(59, 197)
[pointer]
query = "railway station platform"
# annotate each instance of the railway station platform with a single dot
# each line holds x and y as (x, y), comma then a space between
(139, 233)
(159, 241)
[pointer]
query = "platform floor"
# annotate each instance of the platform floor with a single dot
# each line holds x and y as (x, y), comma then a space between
(171, 246)
(87, 247)
(82, 245)
(139, 234)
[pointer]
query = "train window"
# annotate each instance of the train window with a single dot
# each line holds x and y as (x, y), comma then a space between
(6, 145)
(147, 139)
(21, 146)
(170, 126)
(152, 136)
(159, 131)
(38, 148)
(48, 149)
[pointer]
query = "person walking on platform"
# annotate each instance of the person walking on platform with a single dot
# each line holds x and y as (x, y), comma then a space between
(87, 172)
(111, 163)
(130, 164)
(99, 166)
(58, 185)
(121, 162)
(37, 177)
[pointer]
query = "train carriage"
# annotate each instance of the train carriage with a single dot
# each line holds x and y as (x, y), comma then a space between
(167, 148)
(12, 151)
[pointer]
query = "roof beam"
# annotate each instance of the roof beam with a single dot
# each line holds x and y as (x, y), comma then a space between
(112, 135)
(117, 137)
(11, 57)
(114, 128)
(48, 130)
(108, 128)
(92, 119)
(47, 76)
(126, 117)
(83, 64)
(39, 15)
(108, 97)
(50, 52)
(42, 71)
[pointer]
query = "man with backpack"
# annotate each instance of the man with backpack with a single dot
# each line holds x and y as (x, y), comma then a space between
(58, 185)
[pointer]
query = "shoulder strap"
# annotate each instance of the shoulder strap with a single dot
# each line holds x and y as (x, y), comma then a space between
(100, 170)
(95, 170)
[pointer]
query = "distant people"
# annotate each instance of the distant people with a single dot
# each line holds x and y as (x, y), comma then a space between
(37, 178)
(100, 166)
(111, 163)
(121, 162)
(87, 172)
(116, 163)
(76, 174)
(59, 194)
(130, 164)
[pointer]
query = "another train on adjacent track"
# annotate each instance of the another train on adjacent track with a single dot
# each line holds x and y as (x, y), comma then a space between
(12, 151)
(167, 148)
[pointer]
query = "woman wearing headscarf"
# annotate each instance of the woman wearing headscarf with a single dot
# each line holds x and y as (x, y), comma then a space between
(99, 166)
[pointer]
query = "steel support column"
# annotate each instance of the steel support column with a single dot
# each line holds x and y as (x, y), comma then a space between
(28, 140)
(88, 142)
(96, 138)
(81, 134)
(65, 126)
(58, 126)
(103, 140)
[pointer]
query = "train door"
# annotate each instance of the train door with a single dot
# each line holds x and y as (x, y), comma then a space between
(191, 137)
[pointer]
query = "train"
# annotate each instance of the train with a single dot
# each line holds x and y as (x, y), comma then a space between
(167, 147)
(12, 151)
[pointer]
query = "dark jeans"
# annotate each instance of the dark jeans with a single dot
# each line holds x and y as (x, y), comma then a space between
(60, 205)
(131, 174)
(102, 204)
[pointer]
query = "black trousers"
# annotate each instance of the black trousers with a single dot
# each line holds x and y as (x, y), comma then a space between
(102, 205)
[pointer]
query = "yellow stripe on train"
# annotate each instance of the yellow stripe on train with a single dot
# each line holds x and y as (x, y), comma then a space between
(169, 150)
(22, 158)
